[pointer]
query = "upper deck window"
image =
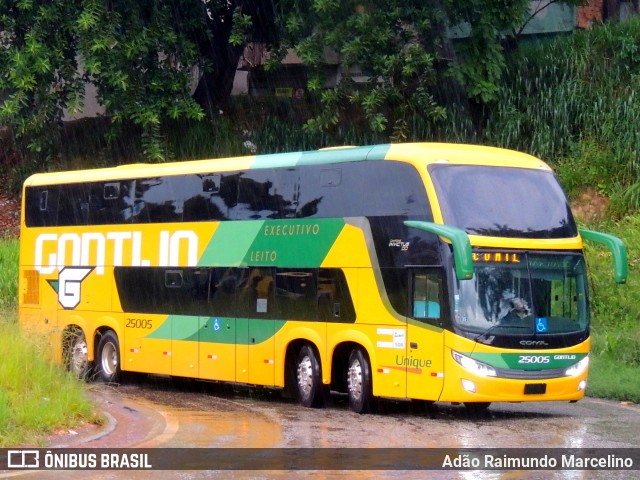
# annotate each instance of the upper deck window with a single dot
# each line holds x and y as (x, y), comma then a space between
(503, 201)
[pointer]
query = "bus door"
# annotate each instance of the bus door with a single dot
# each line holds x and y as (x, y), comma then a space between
(187, 291)
(424, 359)
(218, 335)
(255, 327)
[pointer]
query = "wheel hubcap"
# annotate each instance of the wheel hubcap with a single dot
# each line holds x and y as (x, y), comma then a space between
(354, 380)
(305, 376)
(79, 357)
(109, 359)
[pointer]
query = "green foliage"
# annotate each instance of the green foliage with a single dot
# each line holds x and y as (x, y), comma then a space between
(574, 101)
(615, 313)
(587, 165)
(9, 251)
(398, 61)
(40, 73)
(140, 56)
(611, 379)
(141, 61)
(36, 397)
(387, 58)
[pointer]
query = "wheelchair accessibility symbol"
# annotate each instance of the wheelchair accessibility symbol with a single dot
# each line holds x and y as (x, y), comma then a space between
(541, 325)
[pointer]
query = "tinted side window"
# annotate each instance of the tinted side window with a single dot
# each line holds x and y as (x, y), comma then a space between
(156, 200)
(208, 196)
(178, 291)
(254, 295)
(41, 206)
(258, 196)
(286, 294)
(334, 299)
(362, 189)
(296, 294)
(369, 189)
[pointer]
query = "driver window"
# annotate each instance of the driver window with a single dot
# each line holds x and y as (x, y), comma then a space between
(427, 296)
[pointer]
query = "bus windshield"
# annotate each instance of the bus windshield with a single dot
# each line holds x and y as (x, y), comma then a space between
(503, 201)
(520, 293)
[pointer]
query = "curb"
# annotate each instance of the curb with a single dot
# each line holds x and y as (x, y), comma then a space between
(105, 430)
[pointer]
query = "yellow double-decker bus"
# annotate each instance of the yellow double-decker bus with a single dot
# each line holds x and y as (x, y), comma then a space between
(431, 272)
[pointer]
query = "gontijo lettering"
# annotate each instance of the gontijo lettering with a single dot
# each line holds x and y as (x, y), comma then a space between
(54, 251)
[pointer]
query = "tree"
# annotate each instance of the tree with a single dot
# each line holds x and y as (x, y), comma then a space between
(404, 50)
(140, 55)
(229, 27)
(40, 75)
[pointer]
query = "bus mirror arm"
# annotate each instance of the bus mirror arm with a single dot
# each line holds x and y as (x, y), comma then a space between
(617, 248)
(459, 239)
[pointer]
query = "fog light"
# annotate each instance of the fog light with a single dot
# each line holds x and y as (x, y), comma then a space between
(469, 386)
(582, 385)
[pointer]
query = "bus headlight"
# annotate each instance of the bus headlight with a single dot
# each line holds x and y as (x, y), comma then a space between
(578, 368)
(473, 366)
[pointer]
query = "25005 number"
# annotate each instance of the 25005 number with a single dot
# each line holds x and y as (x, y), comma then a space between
(533, 359)
(139, 323)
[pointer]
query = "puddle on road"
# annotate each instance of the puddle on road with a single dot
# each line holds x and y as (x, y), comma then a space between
(187, 428)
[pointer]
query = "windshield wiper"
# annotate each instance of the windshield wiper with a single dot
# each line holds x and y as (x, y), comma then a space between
(492, 327)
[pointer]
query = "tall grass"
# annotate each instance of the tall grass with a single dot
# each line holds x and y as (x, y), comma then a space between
(8, 273)
(615, 333)
(578, 93)
(36, 397)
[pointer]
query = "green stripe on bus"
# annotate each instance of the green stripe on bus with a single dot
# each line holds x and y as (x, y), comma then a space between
(241, 331)
(320, 157)
(528, 360)
(295, 243)
(355, 154)
(277, 160)
(283, 243)
(229, 245)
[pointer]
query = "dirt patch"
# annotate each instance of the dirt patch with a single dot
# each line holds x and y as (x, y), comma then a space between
(590, 206)
(9, 216)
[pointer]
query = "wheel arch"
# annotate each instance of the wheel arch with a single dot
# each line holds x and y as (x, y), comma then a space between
(291, 345)
(343, 344)
(104, 324)
(290, 359)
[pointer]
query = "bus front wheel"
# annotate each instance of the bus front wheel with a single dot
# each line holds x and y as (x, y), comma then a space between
(359, 383)
(308, 376)
(75, 353)
(108, 359)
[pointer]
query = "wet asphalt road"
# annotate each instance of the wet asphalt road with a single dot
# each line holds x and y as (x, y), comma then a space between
(151, 412)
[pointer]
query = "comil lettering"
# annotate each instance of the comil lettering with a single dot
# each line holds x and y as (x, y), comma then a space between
(54, 252)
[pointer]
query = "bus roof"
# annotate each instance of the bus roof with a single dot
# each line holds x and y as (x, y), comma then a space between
(415, 153)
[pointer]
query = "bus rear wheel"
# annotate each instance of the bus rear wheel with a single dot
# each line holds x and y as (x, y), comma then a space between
(75, 353)
(108, 359)
(359, 385)
(308, 376)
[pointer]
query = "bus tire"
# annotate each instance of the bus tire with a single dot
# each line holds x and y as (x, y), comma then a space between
(309, 378)
(359, 384)
(108, 358)
(75, 353)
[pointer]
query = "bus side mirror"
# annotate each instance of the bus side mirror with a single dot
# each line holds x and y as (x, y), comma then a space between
(458, 238)
(617, 248)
